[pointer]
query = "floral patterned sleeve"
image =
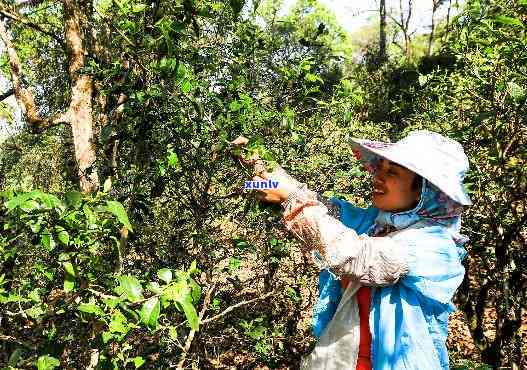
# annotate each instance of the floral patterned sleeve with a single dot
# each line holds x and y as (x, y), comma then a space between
(314, 220)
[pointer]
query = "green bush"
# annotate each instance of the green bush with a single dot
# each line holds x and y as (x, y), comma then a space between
(62, 279)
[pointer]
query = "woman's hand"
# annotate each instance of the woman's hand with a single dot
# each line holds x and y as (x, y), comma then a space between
(285, 183)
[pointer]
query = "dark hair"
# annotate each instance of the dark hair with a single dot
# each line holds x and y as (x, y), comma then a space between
(418, 180)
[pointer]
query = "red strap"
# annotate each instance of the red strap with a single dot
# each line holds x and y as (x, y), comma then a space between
(363, 299)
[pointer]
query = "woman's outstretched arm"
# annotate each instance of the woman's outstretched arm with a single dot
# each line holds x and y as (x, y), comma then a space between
(313, 219)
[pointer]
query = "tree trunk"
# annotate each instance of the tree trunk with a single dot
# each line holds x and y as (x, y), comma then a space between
(382, 31)
(431, 38)
(76, 28)
(447, 27)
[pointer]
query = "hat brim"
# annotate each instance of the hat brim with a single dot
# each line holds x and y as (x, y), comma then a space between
(370, 151)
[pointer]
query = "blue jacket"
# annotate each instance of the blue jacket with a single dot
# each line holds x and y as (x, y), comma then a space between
(408, 320)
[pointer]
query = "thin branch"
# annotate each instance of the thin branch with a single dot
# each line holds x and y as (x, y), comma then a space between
(190, 336)
(395, 21)
(130, 42)
(243, 303)
(107, 296)
(101, 295)
(7, 94)
(17, 18)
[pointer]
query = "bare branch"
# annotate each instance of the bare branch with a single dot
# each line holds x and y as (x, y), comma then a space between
(243, 303)
(394, 20)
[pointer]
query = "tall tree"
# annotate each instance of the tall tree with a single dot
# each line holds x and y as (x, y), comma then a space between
(79, 112)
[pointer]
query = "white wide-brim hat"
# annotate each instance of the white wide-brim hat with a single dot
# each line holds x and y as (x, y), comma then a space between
(438, 159)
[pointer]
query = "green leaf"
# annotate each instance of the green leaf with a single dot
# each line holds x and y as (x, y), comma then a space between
(117, 209)
(215, 306)
(138, 362)
(293, 294)
(23, 201)
(35, 227)
(195, 291)
(138, 8)
(165, 275)
(161, 169)
(63, 236)
(16, 201)
(106, 336)
(173, 160)
(154, 287)
(234, 264)
(190, 311)
(87, 307)
(112, 302)
(47, 240)
(104, 5)
(29, 206)
(235, 106)
(91, 307)
(130, 286)
(47, 362)
(69, 284)
(186, 86)
(172, 332)
(181, 71)
(150, 312)
(310, 77)
(35, 312)
(69, 268)
(174, 291)
(118, 324)
(34, 296)
(107, 185)
(240, 244)
(90, 216)
(50, 201)
(508, 21)
(193, 268)
(73, 199)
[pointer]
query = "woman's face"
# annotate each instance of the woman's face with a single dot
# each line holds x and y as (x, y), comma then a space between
(392, 188)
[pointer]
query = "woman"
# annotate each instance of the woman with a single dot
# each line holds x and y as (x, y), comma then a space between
(389, 272)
